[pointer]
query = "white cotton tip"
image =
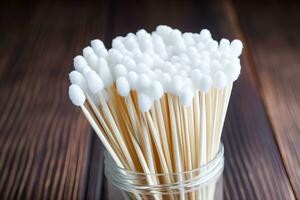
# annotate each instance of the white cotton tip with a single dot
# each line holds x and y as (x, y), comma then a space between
(123, 86)
(236, 47)
(138, 57)
(200, 47)
(215, 65)
(114, 56)
(175, 59)
(76, 95)
(170, 50)
(142, 68)
(98, 47)
(79, 63)
(219, 80)
(232, 71)
(192, 52)
(196, 77)
(156, 90)
(101, 62)
(158, 72)
(145, 36)
(164, 32)
(92, 60)
(156, 38)
(124, 51)
(132, 77)
(176, 85)
(188, 83)
(196, 37)
(150, 51)
(157, 61)
(144, 102)
(78, 79)
(165, 80)
(184, 59)
(143, 82)
(183, 73)
(205, 55)
(175, 35)
(94, 82)
(161, 52)
(159, 46)
(120, 70)
(104, 72)
(145, 42)
(97, 44)
(148, 60)
(102, 53)
(140, 33)
(86, 70)
(216, 55)
(188, 39)
(224, 45)
(204, 67)
(151, 74)
(130, 42)
(205, 83)
(129, 63)
(117, 43)
(213, 46)
(186, 96)
(179, 47)
(205, 35)
(169, 68)
(87, 51)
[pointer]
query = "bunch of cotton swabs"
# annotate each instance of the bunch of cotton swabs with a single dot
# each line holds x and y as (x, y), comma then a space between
(157, 100)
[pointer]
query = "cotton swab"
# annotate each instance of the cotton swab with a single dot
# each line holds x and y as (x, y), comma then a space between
(77, 97)
(158, 100)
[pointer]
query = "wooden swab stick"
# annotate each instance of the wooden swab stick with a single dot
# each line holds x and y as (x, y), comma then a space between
(224, 111)
(135, 122)
(176, 145)
(203, 131)
(158, 145)
(148, 148)
(151, 179)
(163, 134)
(214, 121)
(197, 129)
(107, 131)
(101, 136)
(186, 133)
(117, 132)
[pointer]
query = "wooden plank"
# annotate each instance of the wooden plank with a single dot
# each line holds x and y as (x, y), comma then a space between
(44, 140)
(254, 169)
(273, 36)
(94, 188)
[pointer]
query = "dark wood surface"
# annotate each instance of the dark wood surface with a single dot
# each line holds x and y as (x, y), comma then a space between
(47, 149)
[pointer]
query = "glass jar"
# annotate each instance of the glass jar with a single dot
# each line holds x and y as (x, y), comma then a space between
(204, 183)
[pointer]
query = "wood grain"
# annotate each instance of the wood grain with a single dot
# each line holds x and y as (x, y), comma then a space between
(44, 140)
(253, 163)
(273, 37)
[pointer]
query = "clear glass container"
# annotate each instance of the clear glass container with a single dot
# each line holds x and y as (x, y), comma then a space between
(204, 183)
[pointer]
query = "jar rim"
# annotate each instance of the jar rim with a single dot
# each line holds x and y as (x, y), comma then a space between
(215, 161)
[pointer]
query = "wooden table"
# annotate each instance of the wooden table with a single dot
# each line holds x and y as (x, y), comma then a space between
(47, 148)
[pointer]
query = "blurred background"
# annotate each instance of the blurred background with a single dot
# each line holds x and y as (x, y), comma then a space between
(47, 148)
